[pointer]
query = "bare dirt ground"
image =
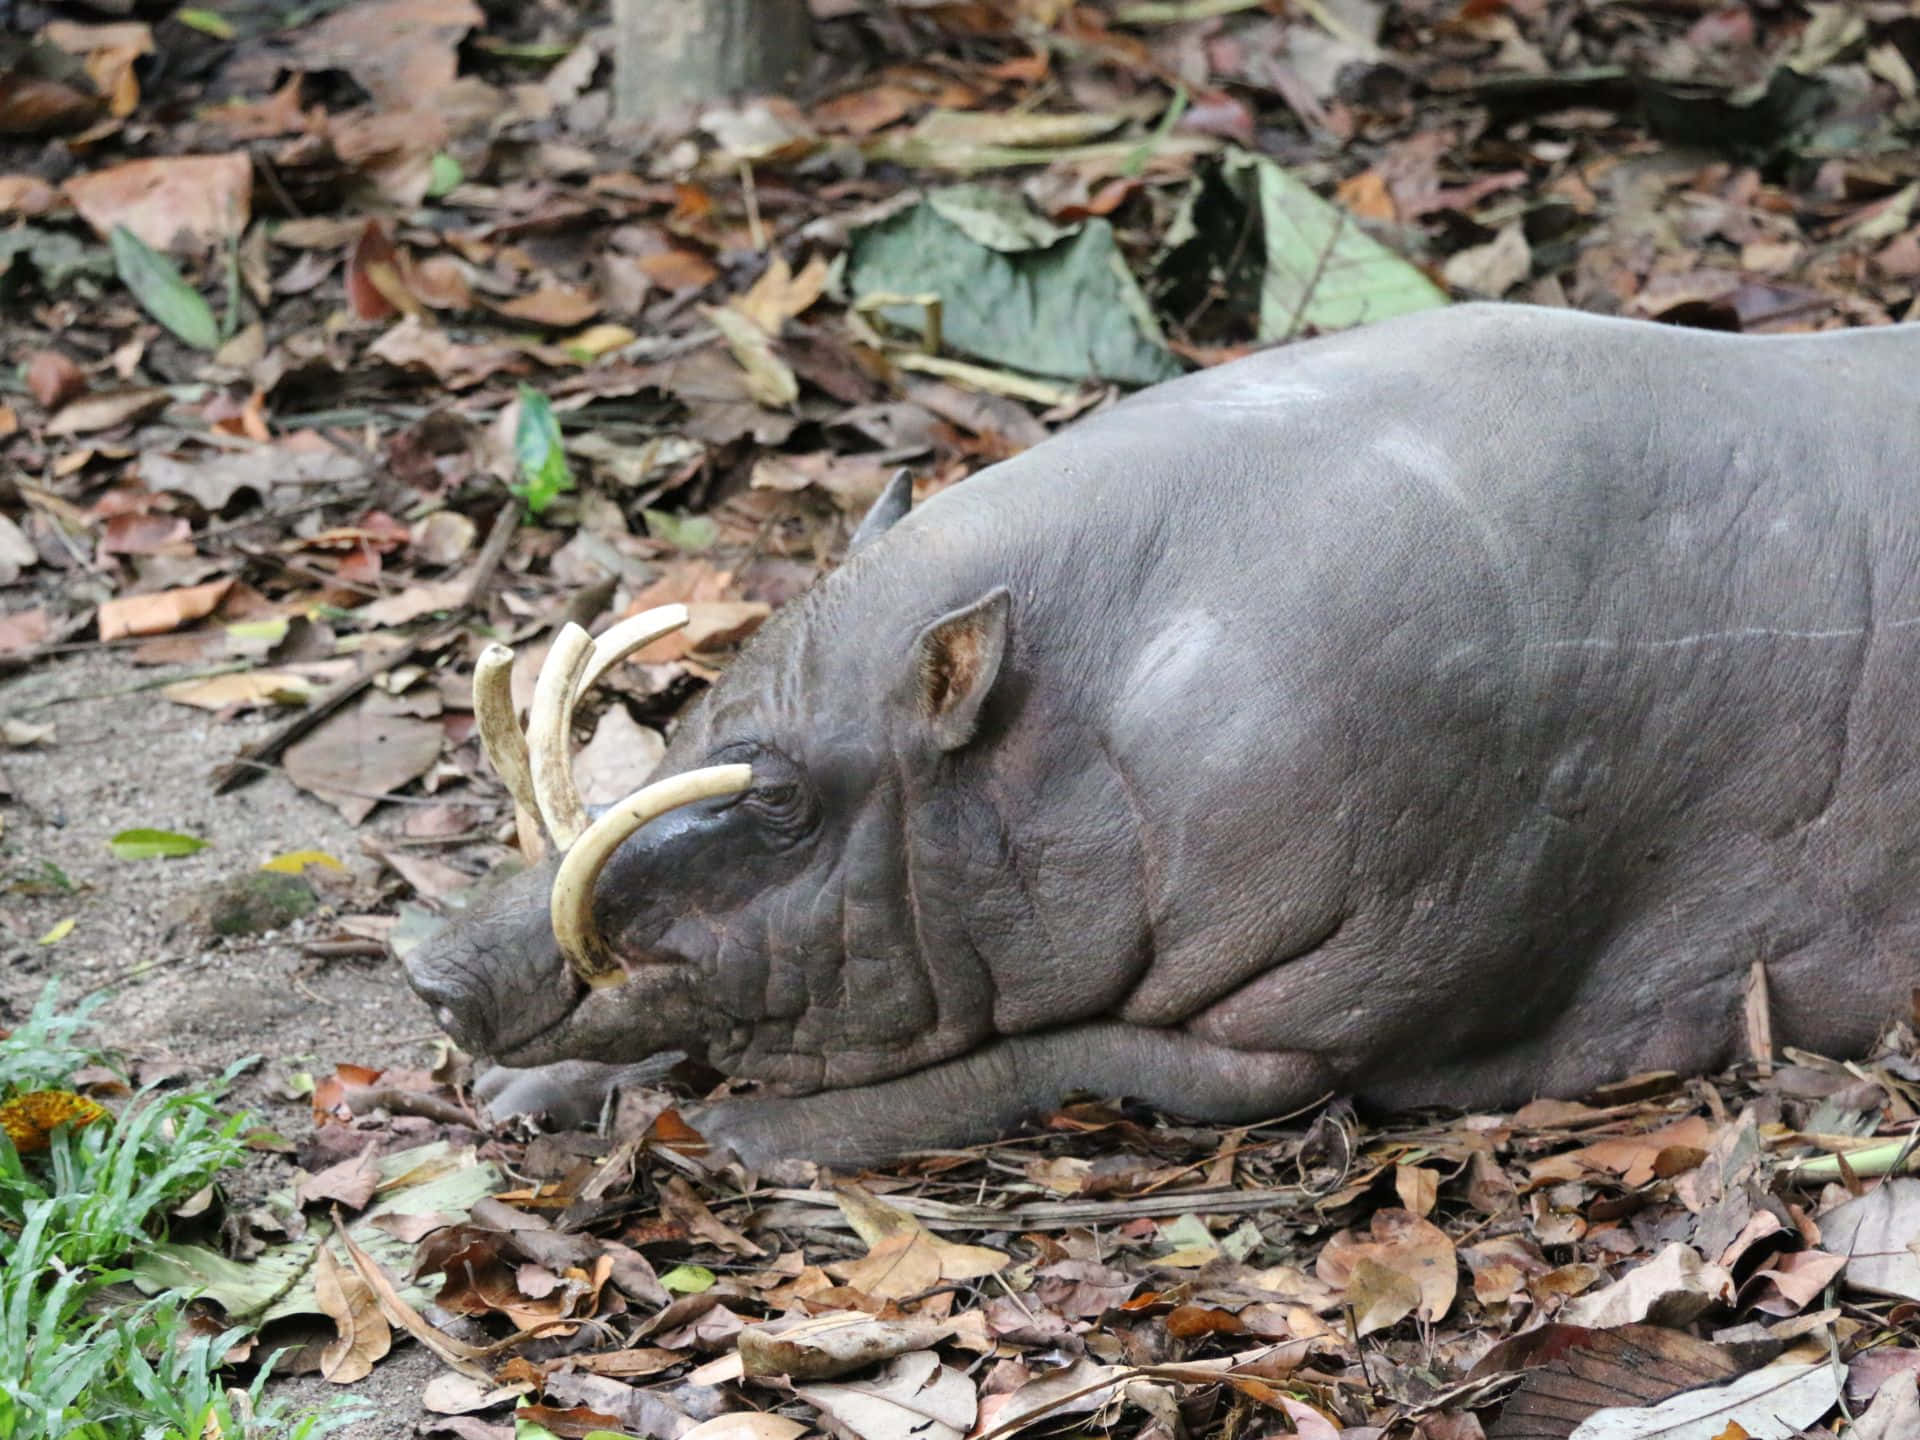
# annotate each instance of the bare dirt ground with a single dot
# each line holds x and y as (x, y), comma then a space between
(122, 757)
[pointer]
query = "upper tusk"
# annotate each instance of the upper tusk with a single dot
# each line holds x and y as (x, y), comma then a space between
(549, 723)
(636, 632)
(580, 942)
(500, 732)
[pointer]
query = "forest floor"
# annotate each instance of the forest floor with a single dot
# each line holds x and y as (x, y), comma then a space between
(340, 337)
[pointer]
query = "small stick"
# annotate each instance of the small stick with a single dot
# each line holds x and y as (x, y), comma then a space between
(756, 232)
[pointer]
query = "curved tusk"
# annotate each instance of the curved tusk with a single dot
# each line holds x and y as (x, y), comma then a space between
(504, 742)
(549, 723)
(636, 632)
(580, 943)
(500, 732)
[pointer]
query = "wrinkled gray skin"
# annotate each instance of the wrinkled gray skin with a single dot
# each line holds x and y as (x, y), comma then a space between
(1451, 711)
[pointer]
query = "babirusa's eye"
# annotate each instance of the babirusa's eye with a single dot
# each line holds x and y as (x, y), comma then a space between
(778, 796)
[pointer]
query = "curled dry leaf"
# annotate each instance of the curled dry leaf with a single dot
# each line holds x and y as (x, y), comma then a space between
(1671, 1289)
(375, 290)
(362, 1336)
(393, 1305)
(823, 1347)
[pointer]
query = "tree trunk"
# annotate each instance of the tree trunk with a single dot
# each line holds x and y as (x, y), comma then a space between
(670, 53)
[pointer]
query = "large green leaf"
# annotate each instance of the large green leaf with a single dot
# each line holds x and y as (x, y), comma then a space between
(162, 292)
(537, 446)
(1307, 265)
(1015, 290)
(1323, 270)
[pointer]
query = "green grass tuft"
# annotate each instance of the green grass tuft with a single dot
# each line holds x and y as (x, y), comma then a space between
(77, 1361)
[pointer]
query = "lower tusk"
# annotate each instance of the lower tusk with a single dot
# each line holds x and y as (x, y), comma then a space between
(549, 721)
(637, 632)
(583, 947)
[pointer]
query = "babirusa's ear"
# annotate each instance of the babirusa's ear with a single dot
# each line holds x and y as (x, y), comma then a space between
(881, 516)
(956, 660)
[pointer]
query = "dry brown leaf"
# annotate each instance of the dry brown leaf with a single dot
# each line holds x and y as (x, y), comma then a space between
(914, 1398)
(213, 483)
(402, 52)
(363, 1336)
(94, 413)
(1671, 1289)
(78, 39)
(904, 1257)
(437, 281)
(1494, 268)
(415, 601)
(398, 1312)
(455, 1394)
(620, 758)
(22, 630)
(747, 1425)
(181, 203)
(823, 1347)
(779, 295)
(1793, 1281)
(769, 380)
(1417, 1187)
(160, 612)
(1875, 1229)
(375, 289)
(150, 532)
(36, 105)
(1634, 1158)
(444, 538)
(1405, 1257)
(251, 688)
(861, 112)
(350, 1183)
(27, 195)
(279, 114)
(556, 306)
(53, 379)
(678, 268)
(355, 759)
(413, 344)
